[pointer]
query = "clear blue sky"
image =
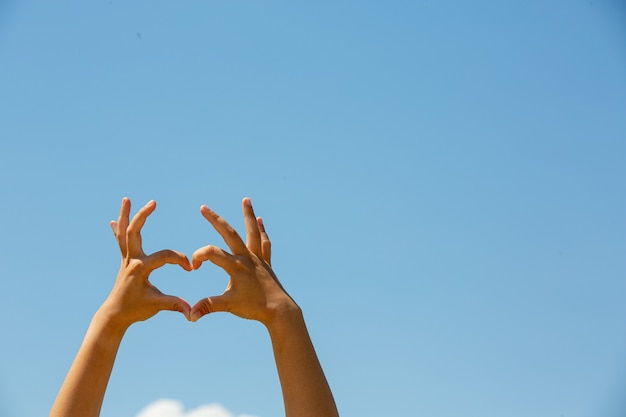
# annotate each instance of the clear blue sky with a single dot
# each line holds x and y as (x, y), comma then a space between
(443, 182)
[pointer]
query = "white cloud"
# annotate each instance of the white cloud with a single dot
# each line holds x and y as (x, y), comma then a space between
(173, 408)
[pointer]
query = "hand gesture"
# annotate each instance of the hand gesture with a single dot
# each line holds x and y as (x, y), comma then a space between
(133, 297)
(253, 291)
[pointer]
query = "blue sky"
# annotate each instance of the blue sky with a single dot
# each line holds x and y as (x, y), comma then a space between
(443, 183)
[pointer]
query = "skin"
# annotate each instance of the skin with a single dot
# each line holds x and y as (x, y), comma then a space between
(253, 292)
(132, 299)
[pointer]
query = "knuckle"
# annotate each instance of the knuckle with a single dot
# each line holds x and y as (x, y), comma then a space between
(242, 263)
(168, 254)
(136, 265)
(133, 229)
(205, 253)
(204, 306)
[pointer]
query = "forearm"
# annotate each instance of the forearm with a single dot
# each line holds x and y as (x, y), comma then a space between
(132, 299)
(305, 390)
(254, 292)
(83, 390)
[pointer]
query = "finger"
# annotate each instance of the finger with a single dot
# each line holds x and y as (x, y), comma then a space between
(230, 235)
(172, 303)
(113, 225)
(119, 226)
(253, 237)
(210, 305)
(167, 256)
(214, 254)
(266, 244)
(133, 232)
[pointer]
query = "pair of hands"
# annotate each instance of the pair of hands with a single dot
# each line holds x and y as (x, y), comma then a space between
(253, 291)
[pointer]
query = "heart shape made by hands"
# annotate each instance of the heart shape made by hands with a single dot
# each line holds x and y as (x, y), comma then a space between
(252, 287)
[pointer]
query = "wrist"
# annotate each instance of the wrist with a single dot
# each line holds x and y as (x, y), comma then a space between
(284, 317)
(109, 322)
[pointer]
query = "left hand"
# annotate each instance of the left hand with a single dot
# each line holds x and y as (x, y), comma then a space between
(133, 297)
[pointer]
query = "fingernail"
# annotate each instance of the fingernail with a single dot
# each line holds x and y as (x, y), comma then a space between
(195, 316)
(247, 202)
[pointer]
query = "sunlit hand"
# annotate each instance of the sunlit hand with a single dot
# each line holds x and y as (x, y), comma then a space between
(253, 291)
(133, 297)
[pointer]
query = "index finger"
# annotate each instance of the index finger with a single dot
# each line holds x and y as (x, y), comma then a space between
(167, 256)
(253, 235)
(228, 233)
(133, 234)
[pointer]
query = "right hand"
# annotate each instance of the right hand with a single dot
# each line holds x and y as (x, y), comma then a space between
(253, 291)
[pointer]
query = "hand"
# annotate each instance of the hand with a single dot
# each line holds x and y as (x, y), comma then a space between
(253, 291)
(133, 297)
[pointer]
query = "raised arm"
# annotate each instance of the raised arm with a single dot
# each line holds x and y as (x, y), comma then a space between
(132, 299)
(254, 292)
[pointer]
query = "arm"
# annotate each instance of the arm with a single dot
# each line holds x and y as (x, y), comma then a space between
(132, 299)
(254, 292)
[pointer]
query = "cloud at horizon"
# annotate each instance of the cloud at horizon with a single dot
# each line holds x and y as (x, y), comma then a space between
(166, 407)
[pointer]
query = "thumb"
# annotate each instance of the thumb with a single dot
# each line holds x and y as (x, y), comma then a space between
(210, 305)
(173, 303)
